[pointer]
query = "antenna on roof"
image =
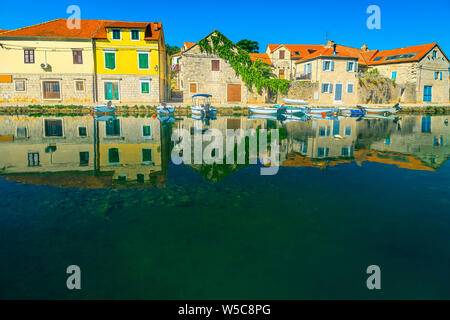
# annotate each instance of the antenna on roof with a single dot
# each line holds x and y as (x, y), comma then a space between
(326, 37)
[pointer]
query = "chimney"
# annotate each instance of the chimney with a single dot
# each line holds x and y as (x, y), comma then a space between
(156, 28)
(365, 47)
(330, 44)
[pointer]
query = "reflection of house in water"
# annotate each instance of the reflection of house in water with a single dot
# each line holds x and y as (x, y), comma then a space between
(413, 142)
(61, 151)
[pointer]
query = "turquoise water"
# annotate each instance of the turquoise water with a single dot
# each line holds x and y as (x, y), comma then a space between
(223, 232)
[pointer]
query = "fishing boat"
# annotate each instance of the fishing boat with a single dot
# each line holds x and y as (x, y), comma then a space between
(385, 111)
(165, 109)
(292, 110)
(263, 110)
(202, 105)
(295, 101)
(105, 108)
(353, 112)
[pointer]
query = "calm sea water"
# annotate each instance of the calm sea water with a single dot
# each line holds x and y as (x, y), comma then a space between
(350, 193)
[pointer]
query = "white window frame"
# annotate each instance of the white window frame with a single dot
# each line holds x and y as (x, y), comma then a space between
(329, 69)
(105, 51)
(24, 85)
(131, 35)
(329, 87)
(112, 34)
(149, 81)
(78, 131)
(353, 69)
(353, 87)
(53, 137)
(75, 85)
(22, 127)
(142, 131)
(147, 52)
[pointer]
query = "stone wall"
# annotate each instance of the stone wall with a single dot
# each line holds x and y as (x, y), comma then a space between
(301, 90)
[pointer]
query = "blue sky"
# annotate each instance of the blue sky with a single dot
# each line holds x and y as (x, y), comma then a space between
(403, 23)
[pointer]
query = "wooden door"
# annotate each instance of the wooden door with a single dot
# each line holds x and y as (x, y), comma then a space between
(234, 93)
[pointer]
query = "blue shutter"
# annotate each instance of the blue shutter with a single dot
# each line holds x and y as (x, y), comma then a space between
(332, 65)
(323, 64)
(331, 87)
(440, 75)
(323, 87)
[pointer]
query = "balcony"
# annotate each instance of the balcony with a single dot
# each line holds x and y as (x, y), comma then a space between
(303, 76)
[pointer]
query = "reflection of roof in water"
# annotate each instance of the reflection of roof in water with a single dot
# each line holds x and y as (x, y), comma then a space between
(82, 180)
(399, 160)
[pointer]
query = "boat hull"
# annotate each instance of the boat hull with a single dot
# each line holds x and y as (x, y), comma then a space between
(104, 109)
(165, 110)
(263, 110)
(323, 110)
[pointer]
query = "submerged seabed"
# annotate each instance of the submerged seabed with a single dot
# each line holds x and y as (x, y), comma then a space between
(226, 232)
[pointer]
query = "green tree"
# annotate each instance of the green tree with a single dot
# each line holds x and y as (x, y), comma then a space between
(249, 45)
(172, 50)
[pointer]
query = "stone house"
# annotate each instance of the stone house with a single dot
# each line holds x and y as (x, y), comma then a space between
(200, 72)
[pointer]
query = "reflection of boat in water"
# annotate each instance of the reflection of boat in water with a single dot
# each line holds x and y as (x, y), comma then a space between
(202, 105)
(292, 110)
(203, 117)
(264, 117)
(323, 116)
(104, 118)
(381, 116)
(294, 118)
(323, 110)
(353, 112)
(263, 110)
(108, 108)
(165, 109)
(166, 119)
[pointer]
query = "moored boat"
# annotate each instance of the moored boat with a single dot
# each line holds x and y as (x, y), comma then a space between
(165, 109)
(202, 105)
(295, 101)
(373, 110)
(263, 110)
(108, 108)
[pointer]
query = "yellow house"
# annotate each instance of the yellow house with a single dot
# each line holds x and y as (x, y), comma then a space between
(54, 63)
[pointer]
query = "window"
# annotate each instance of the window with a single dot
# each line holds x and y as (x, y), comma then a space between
(28, 55)
(33, 159)
(426, 124)
(110, 60)
(322, 152)
(436, 74)
(84, 159)
(440, 75)
(147, 155)
(111, 90)
(193, 87)
(387, 141)
(328, 65)
(336, 127)
(327, 87)
(377, 58)
(22, 132)
(19, 85)
(113, 156)
(140, 178)
(143, 60)
(324, 131)
(348, 130)
(77, 56)
(215, 65)
(82, 131)
(281, 54)
(349, 87)
(281, 74)
(347, 151)
(116, 34)
(135, 35)
(434, 54)
(51, 90)
(146, 131)
(79, 85)
(53, 128)
(113, 128)
(394, 75)
(351, 66)
(308, 67)
(145, 86)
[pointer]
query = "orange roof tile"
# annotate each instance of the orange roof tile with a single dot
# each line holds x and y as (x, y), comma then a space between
(261, 56)
(420, 52)
(89, 29)
(297, 50)
(188, 44)
(342, 51)
(1, 30)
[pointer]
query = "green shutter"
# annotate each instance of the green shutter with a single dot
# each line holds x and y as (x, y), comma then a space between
(146, 131)
(145, 87)
(143, 60)
(110, 60)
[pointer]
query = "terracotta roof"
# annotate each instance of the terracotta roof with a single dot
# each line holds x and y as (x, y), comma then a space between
(89, 29)
(188, 44)
(343, 51)
(1, 30)
(420, 52)
(261, 56)
(297, 50)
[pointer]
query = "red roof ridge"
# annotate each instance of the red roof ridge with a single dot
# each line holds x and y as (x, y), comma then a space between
(34, 25)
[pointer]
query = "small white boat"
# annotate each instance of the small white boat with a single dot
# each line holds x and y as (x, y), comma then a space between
(105, 108)
(255, 116)
(292, 110)
(263, 110)
(323, 110)
(294, 118)
(202, 105)
(391, 110)
(165, 109)
(295, 101)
